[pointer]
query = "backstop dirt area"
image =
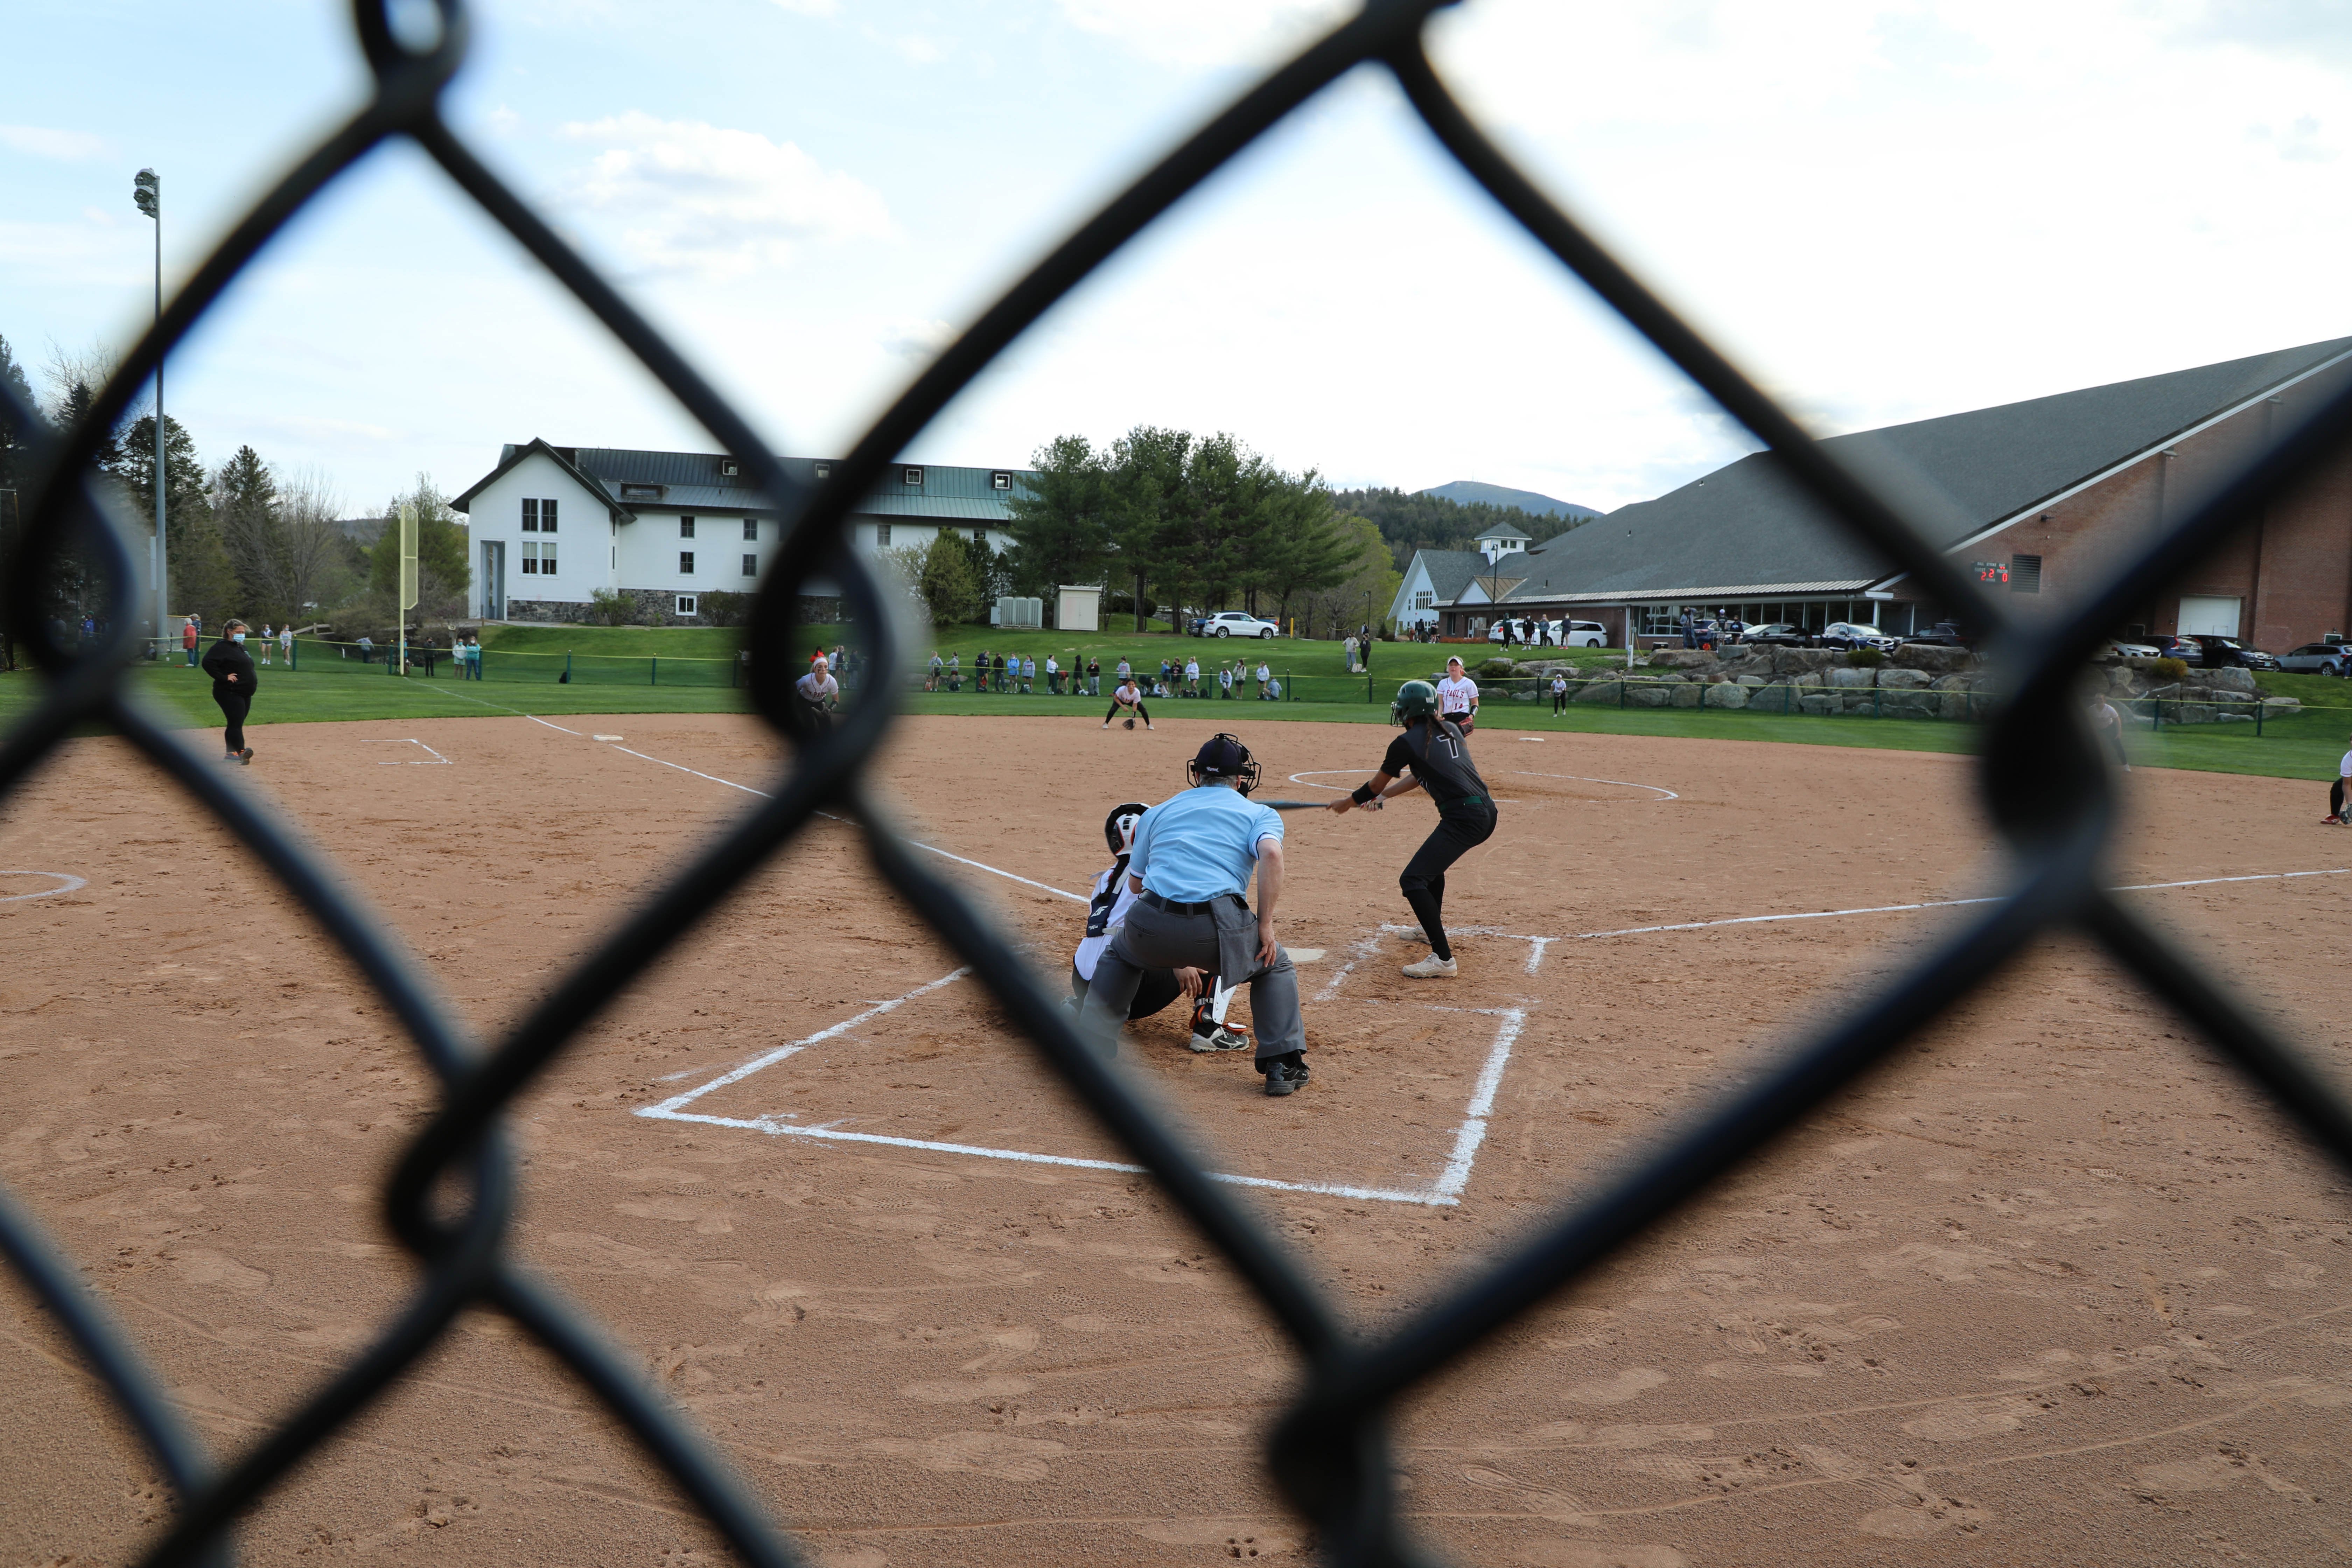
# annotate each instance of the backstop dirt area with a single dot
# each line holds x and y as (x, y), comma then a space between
(2052, 1289)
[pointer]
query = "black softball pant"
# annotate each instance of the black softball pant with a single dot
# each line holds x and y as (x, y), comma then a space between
(1459, 831)
(1140, 712)
(2336, 798)
(234, 705)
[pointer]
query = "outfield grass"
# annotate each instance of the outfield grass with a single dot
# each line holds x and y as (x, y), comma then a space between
(2306, 746)
(1287, 655)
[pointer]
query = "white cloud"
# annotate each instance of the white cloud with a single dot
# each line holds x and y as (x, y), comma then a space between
(684, 197)
(915, 337)
(42, 142)
(1207, 32)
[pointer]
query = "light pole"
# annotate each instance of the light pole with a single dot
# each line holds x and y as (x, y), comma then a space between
(147, 190)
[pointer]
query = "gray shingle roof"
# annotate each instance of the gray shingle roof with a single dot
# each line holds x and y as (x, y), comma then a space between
(1747, 523)
(689, 480)
(1450, 571)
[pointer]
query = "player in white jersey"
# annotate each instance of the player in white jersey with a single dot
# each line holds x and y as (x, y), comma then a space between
(819, 695)
(1457, 697)
(1107, 911)
(2339, 794)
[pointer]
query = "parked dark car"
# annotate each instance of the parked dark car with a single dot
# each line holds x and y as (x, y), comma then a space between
(1944, 634)
(1778, 634)
(2216, 652)
(1851, 635)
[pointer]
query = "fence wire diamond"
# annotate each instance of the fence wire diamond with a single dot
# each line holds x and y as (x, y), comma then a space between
(2044, 781)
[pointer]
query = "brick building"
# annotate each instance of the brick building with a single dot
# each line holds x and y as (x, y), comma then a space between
(2040, 499)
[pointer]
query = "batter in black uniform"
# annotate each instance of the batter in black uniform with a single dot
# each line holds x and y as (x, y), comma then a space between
(1433, 750)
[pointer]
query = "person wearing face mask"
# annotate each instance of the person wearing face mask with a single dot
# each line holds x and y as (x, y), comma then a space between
(231, 668)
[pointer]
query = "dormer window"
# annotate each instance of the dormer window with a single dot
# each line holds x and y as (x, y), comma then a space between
(641, 492)
(1000, 480)
(913, 475)
(729, 468)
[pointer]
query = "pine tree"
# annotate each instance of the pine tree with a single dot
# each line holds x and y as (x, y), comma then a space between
(244, 506)
(202, 578)
(19, 415)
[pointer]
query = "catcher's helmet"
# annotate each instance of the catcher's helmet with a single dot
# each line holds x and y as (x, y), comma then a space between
(1414, 699)
(1118, 827)
(1223, 756)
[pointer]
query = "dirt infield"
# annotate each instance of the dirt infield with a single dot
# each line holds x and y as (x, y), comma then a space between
(2052, 1288)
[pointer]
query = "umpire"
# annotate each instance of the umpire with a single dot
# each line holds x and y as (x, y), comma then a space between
(1190, 868)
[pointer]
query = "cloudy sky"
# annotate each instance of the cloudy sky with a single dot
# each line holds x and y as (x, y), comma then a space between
(1886, 210)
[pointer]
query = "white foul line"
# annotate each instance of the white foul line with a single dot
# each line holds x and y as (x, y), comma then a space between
(438, 759)
(671, 1110)
(67, 883)
(1934, 904)
(933, 848)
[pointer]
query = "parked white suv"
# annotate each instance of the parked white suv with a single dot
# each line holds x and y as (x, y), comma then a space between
(1552, 634)
(1238, 624)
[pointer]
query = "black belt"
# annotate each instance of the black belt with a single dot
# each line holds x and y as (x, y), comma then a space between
(1177, 907)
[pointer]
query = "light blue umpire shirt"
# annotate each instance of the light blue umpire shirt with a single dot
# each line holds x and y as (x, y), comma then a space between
(1201, 844)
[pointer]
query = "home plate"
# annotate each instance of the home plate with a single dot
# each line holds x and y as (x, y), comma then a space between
(604, 737)
(1304, 954)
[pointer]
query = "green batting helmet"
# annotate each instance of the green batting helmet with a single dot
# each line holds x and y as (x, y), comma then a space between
(1414, 699)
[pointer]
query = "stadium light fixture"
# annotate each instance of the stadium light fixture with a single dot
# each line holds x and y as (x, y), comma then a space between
(147, 191)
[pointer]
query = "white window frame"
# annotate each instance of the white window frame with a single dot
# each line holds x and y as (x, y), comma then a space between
(685, 562)
(751, 566)
(686, 527)
(689, 603)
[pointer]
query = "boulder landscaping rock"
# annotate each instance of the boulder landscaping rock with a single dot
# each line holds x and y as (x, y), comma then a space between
(1912, 680)
(1853, 677)
(1648, 693)
(1809, 659)
(1912, 702)
(1681, 657)
(1688, 694)
(1727, 694)
(1819, 703)
(2232, 679)
(1610, 690)
(1933, 657)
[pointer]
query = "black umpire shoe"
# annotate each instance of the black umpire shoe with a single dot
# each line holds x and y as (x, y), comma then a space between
(1286, 1074)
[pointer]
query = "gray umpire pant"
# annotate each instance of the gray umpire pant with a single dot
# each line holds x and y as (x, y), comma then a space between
(1220, 936)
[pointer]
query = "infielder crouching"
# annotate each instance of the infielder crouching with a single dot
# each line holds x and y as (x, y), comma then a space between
(1190, 867)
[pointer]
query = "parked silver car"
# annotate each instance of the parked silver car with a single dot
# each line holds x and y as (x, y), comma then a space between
(2318, 658)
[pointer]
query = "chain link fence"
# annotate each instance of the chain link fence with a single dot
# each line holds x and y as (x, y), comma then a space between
(2044, 782)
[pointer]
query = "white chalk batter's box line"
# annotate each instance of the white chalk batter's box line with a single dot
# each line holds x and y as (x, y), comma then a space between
(1445, 1191)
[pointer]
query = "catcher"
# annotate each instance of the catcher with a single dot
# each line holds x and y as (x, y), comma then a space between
(1431, 749)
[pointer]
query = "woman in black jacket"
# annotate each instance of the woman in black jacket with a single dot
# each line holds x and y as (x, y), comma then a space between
(231, 668)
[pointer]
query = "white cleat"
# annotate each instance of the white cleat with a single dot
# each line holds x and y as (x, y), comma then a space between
(1431, 968)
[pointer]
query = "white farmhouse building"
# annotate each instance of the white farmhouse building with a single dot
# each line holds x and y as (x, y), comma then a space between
(550, 525)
